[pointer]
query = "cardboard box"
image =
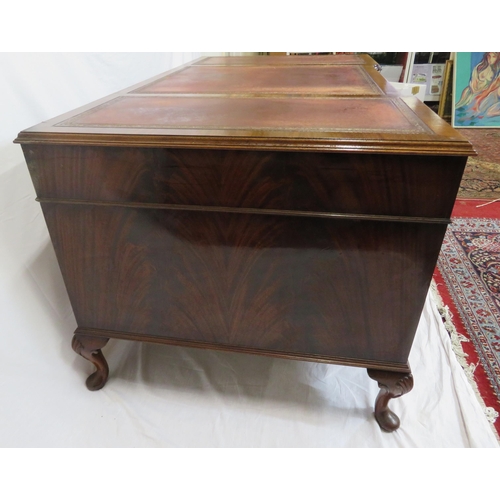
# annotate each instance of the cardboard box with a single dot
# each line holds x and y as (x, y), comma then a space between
(410, 90)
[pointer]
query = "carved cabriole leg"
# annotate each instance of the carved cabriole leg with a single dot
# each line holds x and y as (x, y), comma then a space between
(392, 385)
(90, 348)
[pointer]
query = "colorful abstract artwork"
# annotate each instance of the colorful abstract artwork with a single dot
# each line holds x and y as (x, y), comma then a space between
(476, 96)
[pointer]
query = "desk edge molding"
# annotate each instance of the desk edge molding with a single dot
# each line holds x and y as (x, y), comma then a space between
(354, 362)
(334, 145)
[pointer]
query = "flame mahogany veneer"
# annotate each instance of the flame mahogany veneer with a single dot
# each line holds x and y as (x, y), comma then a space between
(291, 207)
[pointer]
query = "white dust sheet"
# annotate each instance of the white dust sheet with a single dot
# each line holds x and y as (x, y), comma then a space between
(165, 396)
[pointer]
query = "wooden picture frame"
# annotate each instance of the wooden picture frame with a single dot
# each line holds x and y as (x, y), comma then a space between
(476, 90)
(445, 102)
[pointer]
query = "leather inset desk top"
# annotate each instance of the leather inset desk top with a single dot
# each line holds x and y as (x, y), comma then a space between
(339, 103)
(222, 113)
(334, 80)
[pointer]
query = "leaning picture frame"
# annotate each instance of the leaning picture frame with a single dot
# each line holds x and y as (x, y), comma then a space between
(445, 102)
(476, 90)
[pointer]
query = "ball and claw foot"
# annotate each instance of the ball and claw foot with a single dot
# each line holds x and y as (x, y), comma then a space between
(90, 348)
(392, 385)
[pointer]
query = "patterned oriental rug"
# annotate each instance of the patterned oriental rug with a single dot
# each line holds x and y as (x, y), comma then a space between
(467, 279)
(481, 178)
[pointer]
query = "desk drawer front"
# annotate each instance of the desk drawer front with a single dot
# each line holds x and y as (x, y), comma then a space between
(393, 185)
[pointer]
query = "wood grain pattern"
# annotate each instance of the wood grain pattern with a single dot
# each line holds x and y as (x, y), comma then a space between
(244, 140)
(337, 183)
(248, 280)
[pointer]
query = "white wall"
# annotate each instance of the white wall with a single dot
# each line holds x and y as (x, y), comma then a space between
(36, 87)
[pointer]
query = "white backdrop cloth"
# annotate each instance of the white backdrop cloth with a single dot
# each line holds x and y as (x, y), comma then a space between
(165, 396)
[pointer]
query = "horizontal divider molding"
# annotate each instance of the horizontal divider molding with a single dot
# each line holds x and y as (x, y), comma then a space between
(256, 211)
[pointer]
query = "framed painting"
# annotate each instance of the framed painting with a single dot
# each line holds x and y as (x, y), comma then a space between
(476, 93)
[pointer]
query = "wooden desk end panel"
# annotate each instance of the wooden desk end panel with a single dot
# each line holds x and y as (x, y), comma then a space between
(334, 289)
(376, 184)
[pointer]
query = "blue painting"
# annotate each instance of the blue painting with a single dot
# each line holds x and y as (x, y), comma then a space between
(476, 96)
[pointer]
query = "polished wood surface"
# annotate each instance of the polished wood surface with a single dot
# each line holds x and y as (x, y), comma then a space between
(287, 209)
(328, 183)
(89, 347)
(392, 385)
(256, 281)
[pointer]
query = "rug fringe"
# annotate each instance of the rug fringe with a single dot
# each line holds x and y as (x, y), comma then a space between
(456, 344)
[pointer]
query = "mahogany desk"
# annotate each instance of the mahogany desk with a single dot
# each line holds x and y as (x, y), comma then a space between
(285, 206)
